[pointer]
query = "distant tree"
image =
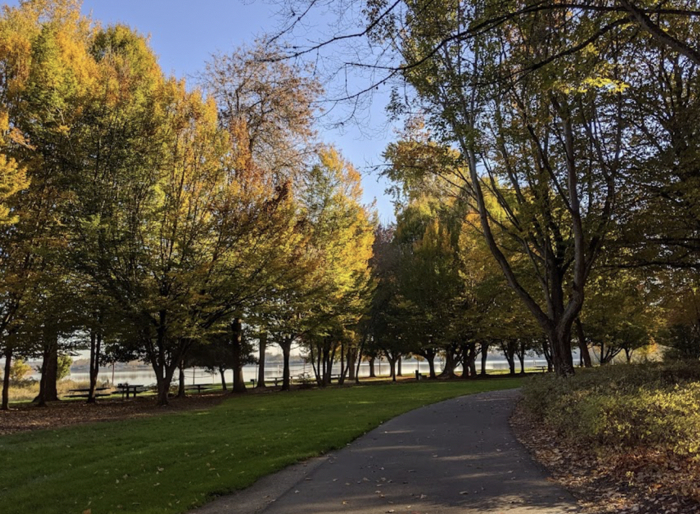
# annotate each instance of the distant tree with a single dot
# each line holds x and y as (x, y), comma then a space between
(18, 371)
(63, 368)
(215, 356)
(341, 233)
(682, 341)
(680, 326)
(618, 318)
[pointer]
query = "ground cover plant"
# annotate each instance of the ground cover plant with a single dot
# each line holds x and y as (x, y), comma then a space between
(173, 462)
(632, 429)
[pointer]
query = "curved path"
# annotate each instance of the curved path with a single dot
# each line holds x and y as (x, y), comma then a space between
(457, 456)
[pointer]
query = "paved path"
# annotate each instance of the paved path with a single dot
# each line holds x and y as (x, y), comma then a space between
(457, 456)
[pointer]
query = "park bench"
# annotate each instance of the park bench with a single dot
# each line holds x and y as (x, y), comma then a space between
(85, 392)
(131, 389)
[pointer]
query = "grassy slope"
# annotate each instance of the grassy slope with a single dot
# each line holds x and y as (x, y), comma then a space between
(173, 462)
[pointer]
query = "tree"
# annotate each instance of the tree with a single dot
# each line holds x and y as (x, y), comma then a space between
(546, 150)
(44, 55)
(18, 371)
(680, 328)
(618, 317)
(341, 235)
(273, 99)
(565, 87)
(186, 230)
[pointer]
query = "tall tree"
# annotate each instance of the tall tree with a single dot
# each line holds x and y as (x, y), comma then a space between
(341, 234)
(275, 100)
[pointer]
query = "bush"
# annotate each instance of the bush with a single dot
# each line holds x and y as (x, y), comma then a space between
(18, 371)
(625, 406)
(64, 364)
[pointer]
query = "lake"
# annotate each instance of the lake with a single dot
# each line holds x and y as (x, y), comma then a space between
(202, 376)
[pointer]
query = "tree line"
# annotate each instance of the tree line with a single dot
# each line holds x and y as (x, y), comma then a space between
(545, 182)
(563, 133)
(146, 218)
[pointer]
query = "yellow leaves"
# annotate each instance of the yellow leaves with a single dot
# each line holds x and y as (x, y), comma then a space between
(602, 84)
(12, 180)
(243, 158)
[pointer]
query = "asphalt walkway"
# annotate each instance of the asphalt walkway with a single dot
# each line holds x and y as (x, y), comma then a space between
(457, 456)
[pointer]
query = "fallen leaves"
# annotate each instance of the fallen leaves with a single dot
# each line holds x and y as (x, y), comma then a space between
(643, 482)
(63, 413)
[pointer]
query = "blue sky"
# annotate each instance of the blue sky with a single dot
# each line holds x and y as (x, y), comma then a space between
(185, 33)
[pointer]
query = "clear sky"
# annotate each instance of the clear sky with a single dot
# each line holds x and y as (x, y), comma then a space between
(185, 33)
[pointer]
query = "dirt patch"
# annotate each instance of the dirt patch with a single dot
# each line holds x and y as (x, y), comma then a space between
(645, 482)
(63, 413)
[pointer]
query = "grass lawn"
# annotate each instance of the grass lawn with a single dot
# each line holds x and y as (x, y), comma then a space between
(173, 462)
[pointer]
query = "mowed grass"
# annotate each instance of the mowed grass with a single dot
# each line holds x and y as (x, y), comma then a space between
(173, 462)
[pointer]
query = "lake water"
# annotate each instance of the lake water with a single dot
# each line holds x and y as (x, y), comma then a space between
(202, 376)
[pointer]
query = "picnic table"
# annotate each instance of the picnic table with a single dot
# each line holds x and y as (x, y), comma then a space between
(85, 392)
(301, 377)
(133, 389)
(198, 387)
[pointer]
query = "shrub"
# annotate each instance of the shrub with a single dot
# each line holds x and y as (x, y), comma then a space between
(18, 371)
(625, 406)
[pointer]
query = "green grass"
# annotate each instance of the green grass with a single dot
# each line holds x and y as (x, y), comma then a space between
(174, 462)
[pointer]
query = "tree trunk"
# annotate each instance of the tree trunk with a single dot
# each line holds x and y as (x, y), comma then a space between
(316, 362)
(484, 356)
(509, 353)
(429, 355)
(469, 360)
(547, 354)
(341, 380)
(222, 372)
(392, 366)
(583, 346)
(352, 358)
(164, 360)
(324, 353)
(237, 356)
(262, 346)
(95, 343)
(372, 373)
(164, 377)
(521, 357)
(358, 358)
(51, 391)
(472, 359)
(49, 369)
(181, 384)
(328, 359)
(450, 363)
(399, 372)
(6, 379)
(563, 362)
(431, 365)
(286, 345)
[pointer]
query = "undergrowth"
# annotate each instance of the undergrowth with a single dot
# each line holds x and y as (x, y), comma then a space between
(623, 407)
